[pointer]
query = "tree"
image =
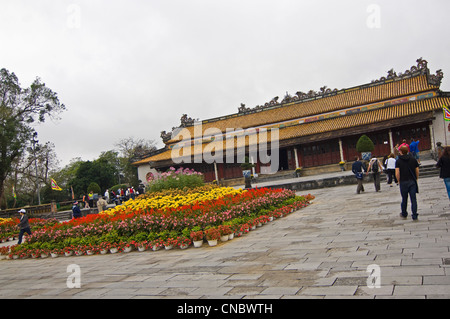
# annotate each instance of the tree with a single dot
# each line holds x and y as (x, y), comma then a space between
(33, 166)
(19, 108)
(98, 171)
(131, 150)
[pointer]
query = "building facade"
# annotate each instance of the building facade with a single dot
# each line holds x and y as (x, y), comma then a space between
(310, 129)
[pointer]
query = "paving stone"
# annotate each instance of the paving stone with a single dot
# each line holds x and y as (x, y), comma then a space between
(321, 251)
(327, 291)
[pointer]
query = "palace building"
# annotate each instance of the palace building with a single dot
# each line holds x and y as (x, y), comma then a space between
(310, 129)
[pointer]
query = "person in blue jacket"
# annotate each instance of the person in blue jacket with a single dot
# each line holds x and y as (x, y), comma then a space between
(357, 168)
(76, 211)
(414, 149)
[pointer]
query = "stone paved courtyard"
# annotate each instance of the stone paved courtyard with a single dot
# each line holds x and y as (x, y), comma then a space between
(321, 251)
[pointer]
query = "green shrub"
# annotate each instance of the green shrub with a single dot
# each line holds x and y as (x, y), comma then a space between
(94, 188)
(364, 144)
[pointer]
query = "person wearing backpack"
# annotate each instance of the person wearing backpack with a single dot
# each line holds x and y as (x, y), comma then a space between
(376, 168)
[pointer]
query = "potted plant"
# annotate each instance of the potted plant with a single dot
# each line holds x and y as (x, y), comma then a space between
(197, 238)
(45, 250)
(116, 247)
(298, 171)
(140, 241)
(35, 253)
(127, 247)
(80, 250)
(224, 230)
(4, 251)
(183, 242)
(245, 228)
(103, 247)
(365, 146)
(56, 252)
(157, 244)
(142, 245)
(68, 251)
(342, 165)
(212, 235)
(91, 249)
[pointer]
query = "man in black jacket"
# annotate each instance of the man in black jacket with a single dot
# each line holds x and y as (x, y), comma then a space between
(24, 225)
(407, 173)
(357, 168)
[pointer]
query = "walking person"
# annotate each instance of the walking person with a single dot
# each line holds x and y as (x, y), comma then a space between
(444, 165)
(403, 144)
(390, 169)
(357, 168)
(101, 204)
(414, 149)
(23, 225)
(407, 173)
(86, 201)
(76, 211)
(106, 196)
(376, 168)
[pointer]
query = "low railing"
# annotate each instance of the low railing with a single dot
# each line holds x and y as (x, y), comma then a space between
(35, 211)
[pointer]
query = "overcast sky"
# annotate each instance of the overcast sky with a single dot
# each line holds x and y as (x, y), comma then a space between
(132, 68)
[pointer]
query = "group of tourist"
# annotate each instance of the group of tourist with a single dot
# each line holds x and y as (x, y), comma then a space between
(403, 169)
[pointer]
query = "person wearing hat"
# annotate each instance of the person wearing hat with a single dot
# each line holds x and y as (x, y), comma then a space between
(76, 211)
(24, 225)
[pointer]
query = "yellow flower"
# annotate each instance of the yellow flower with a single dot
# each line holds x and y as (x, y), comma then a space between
(172, 199)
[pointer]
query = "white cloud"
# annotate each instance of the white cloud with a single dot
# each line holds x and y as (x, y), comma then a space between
(133, 68)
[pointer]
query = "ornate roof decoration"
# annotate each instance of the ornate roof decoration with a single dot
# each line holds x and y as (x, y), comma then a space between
(166, 136)
(185, 122)
(417, 70)
(421, 68)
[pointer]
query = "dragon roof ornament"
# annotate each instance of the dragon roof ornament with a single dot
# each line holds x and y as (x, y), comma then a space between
(420, 68)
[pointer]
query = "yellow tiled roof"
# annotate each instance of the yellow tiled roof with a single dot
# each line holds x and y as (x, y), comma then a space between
(364, 118)
(344, 99)
(334, 124)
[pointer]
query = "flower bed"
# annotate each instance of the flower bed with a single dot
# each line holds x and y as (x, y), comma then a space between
(9, 230)
(162, 220)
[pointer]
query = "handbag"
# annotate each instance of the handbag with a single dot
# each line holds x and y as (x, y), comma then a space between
(359, 175)
(415, 178)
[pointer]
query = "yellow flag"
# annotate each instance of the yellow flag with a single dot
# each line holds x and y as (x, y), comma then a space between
(55, 186)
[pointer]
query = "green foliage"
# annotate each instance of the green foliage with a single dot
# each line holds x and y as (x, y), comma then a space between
(99, 171)
(94, 188)
(116, 187)
(364, 144)
(247, 165)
